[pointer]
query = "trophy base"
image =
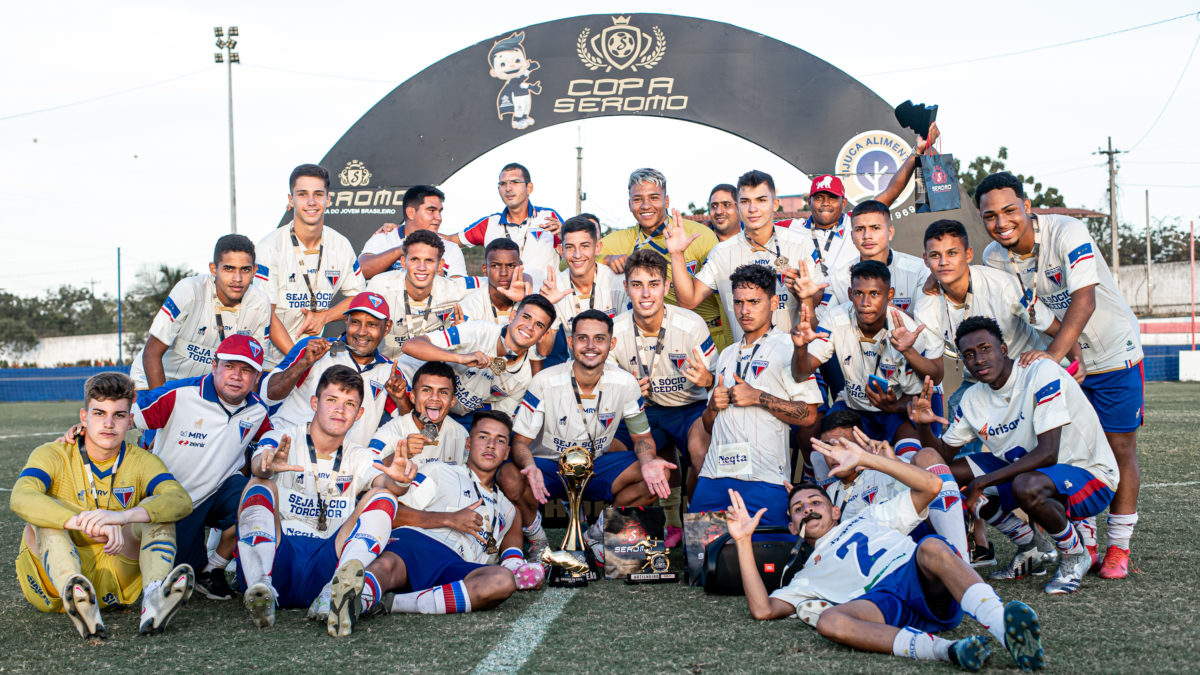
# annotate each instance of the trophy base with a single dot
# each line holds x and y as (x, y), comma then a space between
(653, 578)
(560, 578)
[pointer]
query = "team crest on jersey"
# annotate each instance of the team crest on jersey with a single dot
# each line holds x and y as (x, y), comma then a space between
(870, 495)
(243, 429)
(497, 391)
(691, 267)
(902, 303)
(124, 495)
(537, 234)
(344, 483)
(202, 330)
(1055, 274)
(445, 314)
(757, 366)
(376, 387)
(333, 276)
(607, 419)
(888, 370)
(678, 360)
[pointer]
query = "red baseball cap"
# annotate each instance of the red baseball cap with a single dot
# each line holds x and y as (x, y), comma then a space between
(371, 303)
(241, 348)
(828, 183)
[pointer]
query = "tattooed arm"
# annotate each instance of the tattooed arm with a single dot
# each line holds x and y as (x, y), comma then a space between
(797, 413)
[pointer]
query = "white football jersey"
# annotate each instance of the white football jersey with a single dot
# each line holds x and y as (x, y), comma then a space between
(478, 388)
(550, 416)
(442, 488)
(736, 251)
(283, 269)
(994, 294)
(857, 554)
(608, 296)
(411, 318)
(453, 263)
(536, 244)
(833, 249)
(337, 481)
(477, 306)
(1035, 400)
(187, 325)
(867, 488)
(908, 276)
(296, 409)
(860, 356)
(685, 332)
(1065, 261)
(750, 443)
(451, 446)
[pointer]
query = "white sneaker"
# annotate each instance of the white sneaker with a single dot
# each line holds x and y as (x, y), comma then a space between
(79, 603)
(1070, 572)
(346, 598)
(1026, 561)
(319, 609)
(260, 600)
(161, 600)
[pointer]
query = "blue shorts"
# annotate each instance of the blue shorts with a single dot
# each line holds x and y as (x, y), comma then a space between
(1119, 397)
(1085, 494)
(712, 494)
(559, 353)
(219, 512)
(878, 425)
(830, 381)
(902, 602)
(429, 562)
(668, 424)
(605, 470)
(303, 565)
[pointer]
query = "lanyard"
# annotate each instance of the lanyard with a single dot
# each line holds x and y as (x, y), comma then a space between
(89, 468)
(520, 226)
(1030, 292)
(217, 307)
(591, 297)
(491, 545)
(757, 343)
(508, 354)
(643, 240)
(779, 261)
(300, 260)
(950, 349)
(579, 405)
(817, 246)
(648, 370)
(322, 525)
(878, 349)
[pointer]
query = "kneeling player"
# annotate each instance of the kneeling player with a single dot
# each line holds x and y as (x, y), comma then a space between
(867, 585)
(99, 520)
(287, 554)
(1044, 451)
(442, 570)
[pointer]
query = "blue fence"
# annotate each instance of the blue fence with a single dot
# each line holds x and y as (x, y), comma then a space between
(48, 384)
(1162, 362)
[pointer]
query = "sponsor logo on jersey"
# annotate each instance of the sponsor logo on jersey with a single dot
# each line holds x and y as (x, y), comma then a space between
(1049, 392)
(123, 495)
(1080, 254)
(989, 430)
(1055, 274)
(757, 366)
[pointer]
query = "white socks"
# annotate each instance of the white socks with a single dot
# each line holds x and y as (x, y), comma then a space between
(1120, 529)
(447, 599)
(371, 531)
(1012, 527)
(981, 603)
(257, 538)
(1068, 542)
(946, 511)
(914, 644)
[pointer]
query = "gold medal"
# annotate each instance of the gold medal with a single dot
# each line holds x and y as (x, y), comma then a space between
(492, 547)
(430, 432)
(499, 364)
(781, 262)
(337, 347)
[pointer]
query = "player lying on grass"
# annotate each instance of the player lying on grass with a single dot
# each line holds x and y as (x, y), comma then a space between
(1044, 451)
(440, 569)
(99, 517)
(858, 489)
(319, 506)
(579, 404)
(868, 585)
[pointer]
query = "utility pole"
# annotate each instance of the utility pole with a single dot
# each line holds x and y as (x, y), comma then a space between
(579, 196)
(120, 327)
(1112, 207)
(228, 44)
(1149, 286)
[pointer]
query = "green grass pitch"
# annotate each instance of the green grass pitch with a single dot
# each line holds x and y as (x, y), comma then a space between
(1149, 622)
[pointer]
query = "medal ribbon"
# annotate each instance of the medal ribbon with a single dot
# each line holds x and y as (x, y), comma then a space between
(300, 260)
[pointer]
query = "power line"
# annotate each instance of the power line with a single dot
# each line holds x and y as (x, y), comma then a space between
(1161, 185)
(1172, 94)
(1035, 49)
(329, 75)
(104, 96)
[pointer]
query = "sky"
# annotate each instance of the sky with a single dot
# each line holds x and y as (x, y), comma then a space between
(113, 104)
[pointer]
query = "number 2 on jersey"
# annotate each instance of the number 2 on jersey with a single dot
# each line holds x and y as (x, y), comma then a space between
(866, 559)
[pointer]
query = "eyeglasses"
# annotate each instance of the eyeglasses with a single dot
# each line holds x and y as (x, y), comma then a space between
(513, 183)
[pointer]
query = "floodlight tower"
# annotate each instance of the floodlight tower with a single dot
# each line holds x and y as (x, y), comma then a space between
(230, 57)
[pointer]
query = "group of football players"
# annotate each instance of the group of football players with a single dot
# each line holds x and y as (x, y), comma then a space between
(786, 373)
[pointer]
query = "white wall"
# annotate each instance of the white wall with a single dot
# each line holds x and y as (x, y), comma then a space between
(1171, 288)
(57, 351)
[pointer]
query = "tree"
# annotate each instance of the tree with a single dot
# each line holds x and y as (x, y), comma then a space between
(983, 166)
(144, 300)
(694, 210)
(1168, 241)
(16, 335)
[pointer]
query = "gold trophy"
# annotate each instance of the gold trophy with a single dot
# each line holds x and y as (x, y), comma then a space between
(572, 566)
(657, 568)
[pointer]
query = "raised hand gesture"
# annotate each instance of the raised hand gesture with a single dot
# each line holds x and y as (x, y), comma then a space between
(720, 395)
(467, 521)
(920, 409)
(677, 237)
(314, 322)
(844, 456)
(738, 520)
(803, 333)
(696, 372)
(881, 448)
(276, 461)
(313, 351)
(550, 289)
(516, 288)
(476, 360)
(803, 285)
(741, 394)
(900, 337)
(397, 465)
(549, 222)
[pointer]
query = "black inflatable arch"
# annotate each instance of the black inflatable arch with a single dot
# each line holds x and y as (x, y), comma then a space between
(799, 107)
